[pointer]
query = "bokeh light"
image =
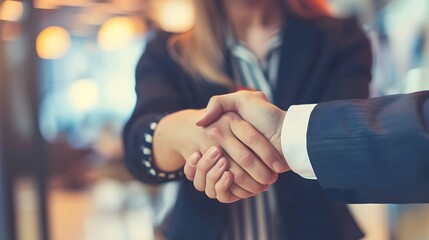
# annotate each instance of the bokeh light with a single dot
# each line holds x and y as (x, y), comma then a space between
(116, 33)
(52, 43)
(83, 95)
(176, 16)
(11, 11)
(44, 4)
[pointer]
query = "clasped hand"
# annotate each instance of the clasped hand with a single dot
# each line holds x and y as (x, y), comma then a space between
(249, 157)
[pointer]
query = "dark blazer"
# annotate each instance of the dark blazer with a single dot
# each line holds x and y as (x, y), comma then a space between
(372, 151)
(322, 59)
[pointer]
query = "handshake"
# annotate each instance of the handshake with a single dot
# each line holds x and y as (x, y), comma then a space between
(247, 166)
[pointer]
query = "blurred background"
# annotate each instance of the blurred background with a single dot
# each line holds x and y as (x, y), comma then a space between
(67, 87)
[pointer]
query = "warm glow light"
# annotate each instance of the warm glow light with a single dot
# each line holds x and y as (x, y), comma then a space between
(72, 3)
(53, 43)
(116, 33)
(44, 4)
(119, 96)
(176, 15)
(83, 95)
(11, 11)
(54, 4)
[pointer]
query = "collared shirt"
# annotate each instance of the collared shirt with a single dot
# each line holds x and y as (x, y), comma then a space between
(251, 72)
(257, 217)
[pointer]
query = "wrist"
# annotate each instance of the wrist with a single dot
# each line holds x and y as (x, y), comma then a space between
(184, 133)
(168, 141)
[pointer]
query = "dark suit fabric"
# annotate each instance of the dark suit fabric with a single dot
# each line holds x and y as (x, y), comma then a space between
(322, 59)
(372, 151)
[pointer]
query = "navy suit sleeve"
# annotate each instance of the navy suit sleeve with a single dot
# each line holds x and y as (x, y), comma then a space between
(158, 92)
(372, 151)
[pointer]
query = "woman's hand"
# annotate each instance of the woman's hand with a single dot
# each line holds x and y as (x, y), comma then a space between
(246, 152)
(219, 181)
(241, 159)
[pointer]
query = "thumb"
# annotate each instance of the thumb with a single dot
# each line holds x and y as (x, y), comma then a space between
(216, 107)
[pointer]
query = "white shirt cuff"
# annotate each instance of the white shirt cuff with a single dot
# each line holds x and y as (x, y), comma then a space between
(294, 140)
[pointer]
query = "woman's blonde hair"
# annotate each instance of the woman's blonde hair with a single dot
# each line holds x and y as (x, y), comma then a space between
(200, 51)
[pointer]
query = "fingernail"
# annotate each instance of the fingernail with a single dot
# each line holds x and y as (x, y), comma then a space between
(278, 167)
(214, 152)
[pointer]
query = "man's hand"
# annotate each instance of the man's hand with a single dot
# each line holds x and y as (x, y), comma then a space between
(254, 108)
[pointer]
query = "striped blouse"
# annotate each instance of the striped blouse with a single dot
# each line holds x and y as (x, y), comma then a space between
(255, 218)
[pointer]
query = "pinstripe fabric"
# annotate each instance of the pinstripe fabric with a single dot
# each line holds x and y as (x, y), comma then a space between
(255, 218)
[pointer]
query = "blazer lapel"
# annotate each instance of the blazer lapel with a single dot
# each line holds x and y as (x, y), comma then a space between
(301, 43)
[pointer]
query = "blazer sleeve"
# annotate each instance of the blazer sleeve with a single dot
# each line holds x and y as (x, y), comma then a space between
(372, 151)
(158, 92)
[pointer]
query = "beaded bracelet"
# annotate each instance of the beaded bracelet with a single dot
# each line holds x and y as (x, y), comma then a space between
(146, 150)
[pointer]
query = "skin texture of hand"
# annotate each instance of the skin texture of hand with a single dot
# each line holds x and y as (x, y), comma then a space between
(255, 109)
(218, 179)
(234, 137)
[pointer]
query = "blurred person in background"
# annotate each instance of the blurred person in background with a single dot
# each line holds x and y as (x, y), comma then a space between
(291, 50)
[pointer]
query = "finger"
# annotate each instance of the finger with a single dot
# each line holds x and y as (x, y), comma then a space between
(247, 159)
(213, 176)
(241, 192)
(265, 151)
(222, 189)
(190, 165)
(216, 106)
(227, 103)
(206, 162)
(244, 180)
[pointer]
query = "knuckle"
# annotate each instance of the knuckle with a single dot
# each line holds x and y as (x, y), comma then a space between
(215, 132)
(245, 93)
(240, 177)
(213, 100)
(261, 94)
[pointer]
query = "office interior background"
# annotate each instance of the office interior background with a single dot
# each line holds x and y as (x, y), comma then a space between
(67, 88)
